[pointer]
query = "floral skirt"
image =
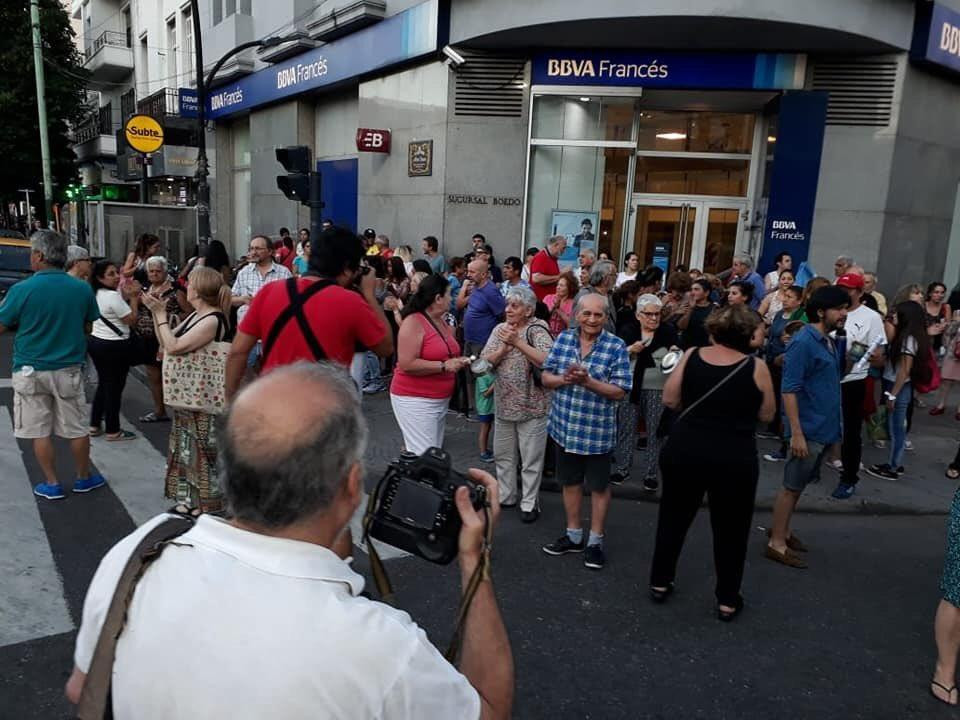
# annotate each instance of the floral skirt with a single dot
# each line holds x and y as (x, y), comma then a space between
(192, 462)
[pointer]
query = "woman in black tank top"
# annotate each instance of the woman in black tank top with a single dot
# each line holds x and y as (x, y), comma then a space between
(720, 392)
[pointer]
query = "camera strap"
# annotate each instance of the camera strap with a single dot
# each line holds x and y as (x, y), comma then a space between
(385, 589)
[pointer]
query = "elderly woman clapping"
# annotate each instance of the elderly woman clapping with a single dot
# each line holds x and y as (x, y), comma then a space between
(517, 348)
(648, 340)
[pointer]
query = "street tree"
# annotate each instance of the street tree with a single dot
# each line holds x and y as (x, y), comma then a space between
(20, 163)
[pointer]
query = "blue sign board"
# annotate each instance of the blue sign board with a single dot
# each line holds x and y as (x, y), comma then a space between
(794, 177)
(936, 36)
(759, 71)
(189, 107)
(404, 36)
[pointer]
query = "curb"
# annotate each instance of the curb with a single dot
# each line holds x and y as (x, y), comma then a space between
(815, 506)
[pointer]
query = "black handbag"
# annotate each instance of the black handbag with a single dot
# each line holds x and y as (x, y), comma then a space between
(136, 346)
(536, 373)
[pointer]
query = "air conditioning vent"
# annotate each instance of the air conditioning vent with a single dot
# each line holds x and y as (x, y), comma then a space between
(489, 86)
(861, 90)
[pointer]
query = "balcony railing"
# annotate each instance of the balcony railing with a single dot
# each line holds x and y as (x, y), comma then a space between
(163, 103)
(99, 124)
(108, 38)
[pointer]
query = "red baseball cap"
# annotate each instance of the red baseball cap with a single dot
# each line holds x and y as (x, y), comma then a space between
(850, 280)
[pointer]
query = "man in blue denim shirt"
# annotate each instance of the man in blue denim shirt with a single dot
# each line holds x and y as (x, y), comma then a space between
(811, 404)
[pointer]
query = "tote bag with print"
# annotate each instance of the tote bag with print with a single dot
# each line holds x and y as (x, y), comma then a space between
(197, 380)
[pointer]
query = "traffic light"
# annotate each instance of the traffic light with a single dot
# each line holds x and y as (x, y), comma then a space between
(301, 183)
(296, 161)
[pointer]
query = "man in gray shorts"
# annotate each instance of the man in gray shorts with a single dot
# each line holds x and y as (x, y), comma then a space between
(812, 369)
(51, 313)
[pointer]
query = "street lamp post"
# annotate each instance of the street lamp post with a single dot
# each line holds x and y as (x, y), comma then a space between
(203, 166)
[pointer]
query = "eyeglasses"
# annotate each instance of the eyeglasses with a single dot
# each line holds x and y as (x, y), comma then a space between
(650, 314)
(257, 247)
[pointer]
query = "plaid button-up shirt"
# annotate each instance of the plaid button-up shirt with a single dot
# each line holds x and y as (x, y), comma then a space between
(249, 281)
(582, 422)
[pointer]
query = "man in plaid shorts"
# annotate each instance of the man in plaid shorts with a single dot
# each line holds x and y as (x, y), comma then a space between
(589, 370)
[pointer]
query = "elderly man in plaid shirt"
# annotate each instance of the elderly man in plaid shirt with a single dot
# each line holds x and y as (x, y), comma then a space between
(589, 371)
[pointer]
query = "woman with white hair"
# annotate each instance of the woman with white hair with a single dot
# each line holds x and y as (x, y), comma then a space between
(160, 288)
(647, 340)
(516, 349)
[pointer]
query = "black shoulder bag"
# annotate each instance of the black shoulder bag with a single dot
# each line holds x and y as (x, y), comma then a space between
(536, 373)
(296, 310)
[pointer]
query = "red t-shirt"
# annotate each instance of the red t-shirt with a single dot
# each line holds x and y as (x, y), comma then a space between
(543, 262)
(340, 319)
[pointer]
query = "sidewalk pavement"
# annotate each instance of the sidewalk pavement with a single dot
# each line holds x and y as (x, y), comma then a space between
(922, 490)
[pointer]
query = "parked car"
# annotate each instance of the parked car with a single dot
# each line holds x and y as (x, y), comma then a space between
(14, 259)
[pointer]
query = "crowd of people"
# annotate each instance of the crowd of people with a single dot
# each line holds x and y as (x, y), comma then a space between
(566, 370)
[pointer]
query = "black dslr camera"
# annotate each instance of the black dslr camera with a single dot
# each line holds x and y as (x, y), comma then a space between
(413, 507)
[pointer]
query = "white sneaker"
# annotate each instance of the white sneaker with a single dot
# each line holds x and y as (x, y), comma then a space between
(880, 444)
(836, 465)
(908, 445)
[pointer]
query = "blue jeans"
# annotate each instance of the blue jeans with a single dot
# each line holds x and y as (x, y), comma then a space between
(897, 422)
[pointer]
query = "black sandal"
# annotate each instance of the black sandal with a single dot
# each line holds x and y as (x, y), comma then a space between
(728, 615)
(660, 596)
(152, 417)
(948, 691)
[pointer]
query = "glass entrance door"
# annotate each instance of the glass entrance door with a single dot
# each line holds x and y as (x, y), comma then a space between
(694, 233)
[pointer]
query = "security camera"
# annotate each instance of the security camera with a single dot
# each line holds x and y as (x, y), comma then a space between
(454, 59)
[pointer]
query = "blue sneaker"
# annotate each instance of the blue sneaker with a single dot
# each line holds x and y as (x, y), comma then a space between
(776, 456)
(49, 491)
(486, 456)
(844, 491)
(82, 485)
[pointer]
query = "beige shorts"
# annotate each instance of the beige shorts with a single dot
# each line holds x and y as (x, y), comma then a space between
(49, 402)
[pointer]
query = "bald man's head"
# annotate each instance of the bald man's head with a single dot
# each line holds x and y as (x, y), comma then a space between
(477, 271)
(289, 441)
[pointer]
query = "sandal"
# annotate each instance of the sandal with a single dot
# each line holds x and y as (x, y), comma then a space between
(96, 432)
(949, 691)
(953, 472)
(121, 436)
(152, 417)
(660, 595)
(937, 410)
(729, 615)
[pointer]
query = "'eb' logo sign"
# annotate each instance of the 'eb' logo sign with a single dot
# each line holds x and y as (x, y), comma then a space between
(373, 140)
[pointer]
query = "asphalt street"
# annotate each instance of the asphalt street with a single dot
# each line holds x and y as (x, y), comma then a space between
(851, 637)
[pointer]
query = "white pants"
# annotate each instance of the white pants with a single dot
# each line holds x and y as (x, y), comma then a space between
(530, 436)
(422, 421)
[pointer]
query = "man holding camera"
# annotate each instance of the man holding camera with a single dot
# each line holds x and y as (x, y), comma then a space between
(257, 617)
(326, 322)
(589, 370)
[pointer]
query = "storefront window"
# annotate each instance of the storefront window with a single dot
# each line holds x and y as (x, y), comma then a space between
(586, 181)
(702, 132)
(561, 117)
(692, 176)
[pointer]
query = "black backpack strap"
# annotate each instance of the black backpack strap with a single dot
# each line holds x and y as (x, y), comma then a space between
(95, 699)
(295, 310)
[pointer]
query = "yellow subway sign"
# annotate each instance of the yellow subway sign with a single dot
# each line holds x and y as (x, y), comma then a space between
(143, 133)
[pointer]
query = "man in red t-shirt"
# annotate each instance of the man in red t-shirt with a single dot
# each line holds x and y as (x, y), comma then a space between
(338, 317)
(544, 269)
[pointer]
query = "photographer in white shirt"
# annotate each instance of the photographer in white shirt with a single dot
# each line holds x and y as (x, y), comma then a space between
(255, 616)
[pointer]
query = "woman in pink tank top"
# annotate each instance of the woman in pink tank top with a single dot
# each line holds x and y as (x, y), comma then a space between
(428, 357)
